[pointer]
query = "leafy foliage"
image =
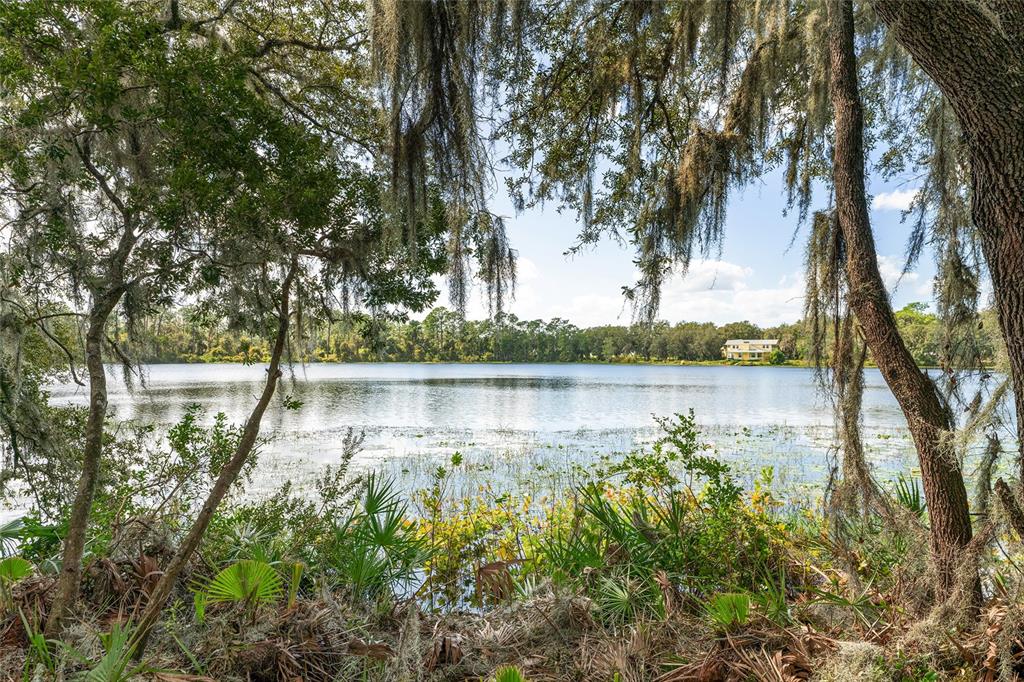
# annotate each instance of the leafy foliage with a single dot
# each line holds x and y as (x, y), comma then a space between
(641, 541)
(908, 494)
(116, 665)
(246, 581)
(728, 610)
(443, 335)
(376, 549)
(13, 569)
(10, 535)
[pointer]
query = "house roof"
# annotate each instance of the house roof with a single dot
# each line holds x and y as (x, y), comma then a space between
(771, 342)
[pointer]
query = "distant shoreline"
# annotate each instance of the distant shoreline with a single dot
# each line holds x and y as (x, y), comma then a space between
(682, 363)
(799, 364)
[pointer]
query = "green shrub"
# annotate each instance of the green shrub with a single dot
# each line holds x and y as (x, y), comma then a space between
(116, 664)
(247, 582)
(509, 674)
(728, 610)
(289, 526)
(376, 549)
(698, 535)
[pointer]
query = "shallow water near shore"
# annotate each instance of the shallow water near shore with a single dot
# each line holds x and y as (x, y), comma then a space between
(519, 426)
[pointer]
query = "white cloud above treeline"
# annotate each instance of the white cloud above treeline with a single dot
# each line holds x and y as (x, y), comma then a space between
(712, 291)
(897, 200)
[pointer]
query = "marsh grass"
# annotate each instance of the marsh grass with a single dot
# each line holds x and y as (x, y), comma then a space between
(678, 550)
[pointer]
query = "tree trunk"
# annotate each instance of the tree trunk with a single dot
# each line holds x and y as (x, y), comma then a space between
(983, 481)
(856, 492)
(74, 543)
(975, 54)
(227, 477)
(927, 417)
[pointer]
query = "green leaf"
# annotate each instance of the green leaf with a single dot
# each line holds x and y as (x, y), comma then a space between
(115, 666)
(246, 580)
(293, 585)
(729, 609)
(13, 569)
(10, 534)
(509, 674)
(199, 599)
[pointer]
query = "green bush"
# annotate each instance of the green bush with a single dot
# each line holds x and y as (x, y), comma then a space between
(728, 610)
(376, 550)
(676, 520)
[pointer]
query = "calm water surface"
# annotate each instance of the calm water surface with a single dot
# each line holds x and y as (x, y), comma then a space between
(517, 420)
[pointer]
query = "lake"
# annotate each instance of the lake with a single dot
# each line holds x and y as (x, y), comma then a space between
(519, 422)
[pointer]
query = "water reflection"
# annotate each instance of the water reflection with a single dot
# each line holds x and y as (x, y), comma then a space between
(754, 415)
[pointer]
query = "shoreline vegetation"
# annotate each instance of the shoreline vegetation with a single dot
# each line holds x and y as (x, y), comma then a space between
(443, 336)
(619, 361)
(799, 364)
(356, 579)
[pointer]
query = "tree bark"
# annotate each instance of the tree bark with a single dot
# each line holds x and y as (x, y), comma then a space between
(1010, 505)
(927, 417)
(225, 479)
(74, 543)
(983, 479)
(975, 54)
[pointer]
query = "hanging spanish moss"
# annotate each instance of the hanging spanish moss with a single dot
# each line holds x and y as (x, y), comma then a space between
(924, 137)
(856, 491)
(497, 261)
(458, 267)
(825, 282)
(434, 61)
(941, 214)
(641, 117)
(983, 475)
(839, 353)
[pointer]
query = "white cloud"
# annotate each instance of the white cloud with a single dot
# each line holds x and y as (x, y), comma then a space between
(526, 270)
(891, 269)
(712, 291)
(590, 310)
(742, 301)
(715, 275)
(897, 200)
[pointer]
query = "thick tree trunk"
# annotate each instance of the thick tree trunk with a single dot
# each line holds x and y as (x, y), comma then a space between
(227, 477)
(997, 208)
(975, 54)
(926, 415)
(92, 452)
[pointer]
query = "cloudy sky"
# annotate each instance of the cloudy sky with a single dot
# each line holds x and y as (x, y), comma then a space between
(758, 276)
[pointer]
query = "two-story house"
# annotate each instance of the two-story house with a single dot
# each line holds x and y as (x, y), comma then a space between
(749, 350)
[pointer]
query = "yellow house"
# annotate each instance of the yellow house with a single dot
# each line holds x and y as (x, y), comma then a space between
(750, 350)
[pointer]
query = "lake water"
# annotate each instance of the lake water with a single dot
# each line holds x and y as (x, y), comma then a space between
(519, 422)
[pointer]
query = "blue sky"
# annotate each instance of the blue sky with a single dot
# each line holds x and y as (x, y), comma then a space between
(756, 278)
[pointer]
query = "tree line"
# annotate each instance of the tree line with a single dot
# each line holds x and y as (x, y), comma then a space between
(445, 336)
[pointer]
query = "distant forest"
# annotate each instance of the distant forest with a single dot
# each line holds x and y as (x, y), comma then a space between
(443, 336)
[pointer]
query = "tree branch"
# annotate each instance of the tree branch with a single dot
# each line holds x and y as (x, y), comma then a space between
(85, 154)
(963, 47)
